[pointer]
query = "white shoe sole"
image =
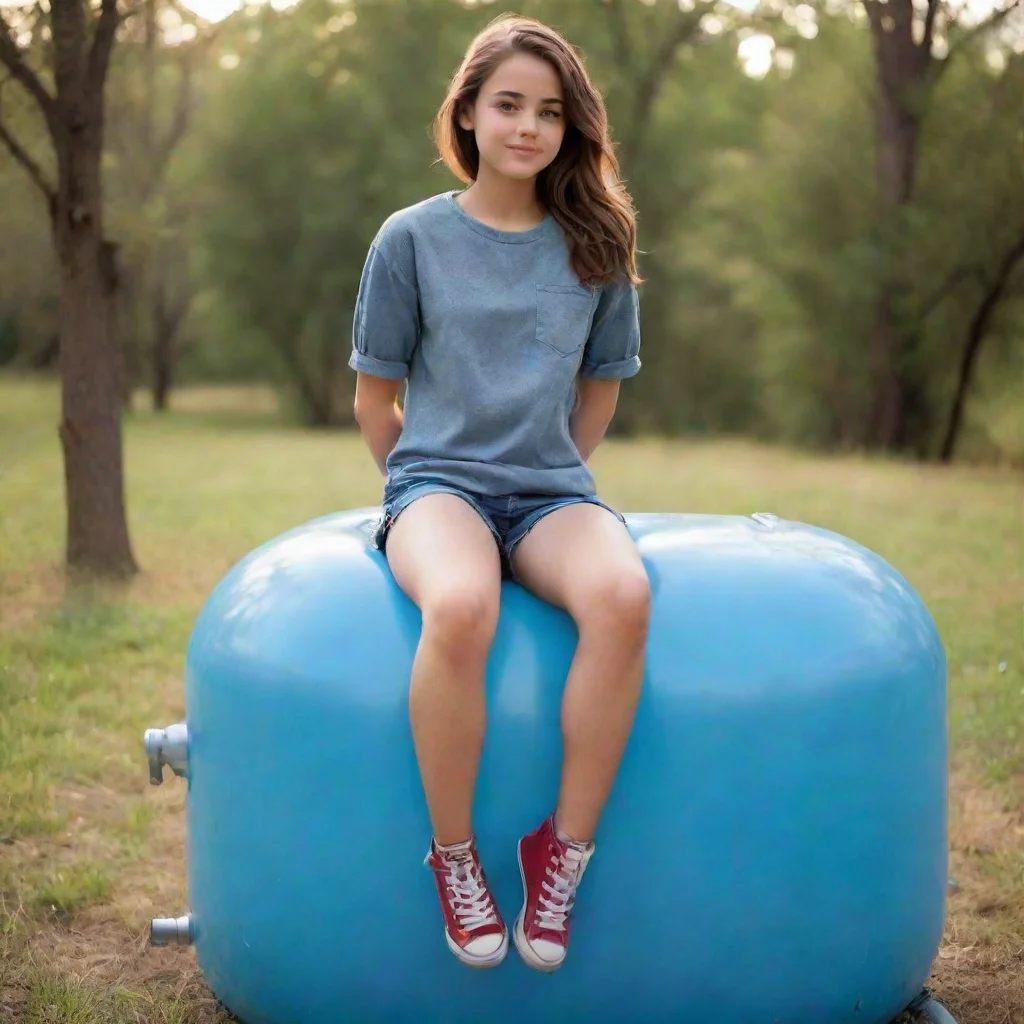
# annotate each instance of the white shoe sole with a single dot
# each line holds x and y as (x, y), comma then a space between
(491, 960)
(519, 935)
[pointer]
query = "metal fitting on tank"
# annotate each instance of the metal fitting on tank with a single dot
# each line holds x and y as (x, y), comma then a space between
(167, 746)
(934, 1012)
(171, 931)
(767, 519)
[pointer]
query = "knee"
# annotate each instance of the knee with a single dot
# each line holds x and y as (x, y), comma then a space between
(461, 617)
(619, 603)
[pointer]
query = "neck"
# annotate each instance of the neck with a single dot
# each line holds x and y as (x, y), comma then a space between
(502, 202)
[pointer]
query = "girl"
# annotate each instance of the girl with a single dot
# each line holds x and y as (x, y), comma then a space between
(510, 311)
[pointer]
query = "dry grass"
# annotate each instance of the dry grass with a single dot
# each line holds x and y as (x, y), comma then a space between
(979, 972)
(89, 852)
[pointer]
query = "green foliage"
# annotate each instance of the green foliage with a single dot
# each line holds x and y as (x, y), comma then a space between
(804, 209)
(966, 222)
(763, 249)
(308, 160)
(28, 286)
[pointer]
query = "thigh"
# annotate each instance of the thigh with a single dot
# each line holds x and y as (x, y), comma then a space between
(440, 548)
(582, 557)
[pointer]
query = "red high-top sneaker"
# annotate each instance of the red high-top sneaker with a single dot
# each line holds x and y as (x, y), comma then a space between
(552, 870)
(473, 925)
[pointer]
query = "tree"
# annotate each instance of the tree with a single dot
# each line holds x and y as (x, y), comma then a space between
(969, 273)
(81, 39)
(994, 288)
(907, 68)
(159, 88)
(290, 212)
(804, 210)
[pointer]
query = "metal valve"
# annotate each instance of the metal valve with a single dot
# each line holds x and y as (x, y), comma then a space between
(167, 747)
(171, 931)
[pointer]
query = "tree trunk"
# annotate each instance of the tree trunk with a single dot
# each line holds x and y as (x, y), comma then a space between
(126, 328)
(163, 371)
(166, 316)
(902, 66)
(884, 425)
(81, 41)
(90, 430)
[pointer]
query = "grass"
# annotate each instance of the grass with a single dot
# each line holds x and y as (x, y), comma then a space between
(89, 852)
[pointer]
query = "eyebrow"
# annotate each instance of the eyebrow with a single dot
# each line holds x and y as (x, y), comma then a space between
(520, 96)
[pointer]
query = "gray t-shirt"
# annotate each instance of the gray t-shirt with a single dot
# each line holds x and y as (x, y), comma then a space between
(491, 329)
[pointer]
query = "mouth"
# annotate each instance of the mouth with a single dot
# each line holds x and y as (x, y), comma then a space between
(526, 150)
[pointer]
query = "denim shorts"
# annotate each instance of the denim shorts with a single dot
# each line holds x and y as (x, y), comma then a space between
(510, 517)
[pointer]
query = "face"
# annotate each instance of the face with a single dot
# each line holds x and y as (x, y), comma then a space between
(518, 117)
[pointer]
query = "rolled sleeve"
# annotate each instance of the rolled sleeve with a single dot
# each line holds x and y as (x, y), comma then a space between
(613, 371)
(363, 363)
(612, 351)
(386, 323)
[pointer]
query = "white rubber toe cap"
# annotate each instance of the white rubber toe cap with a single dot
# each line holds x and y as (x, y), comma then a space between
(550, 952)
(484, 946)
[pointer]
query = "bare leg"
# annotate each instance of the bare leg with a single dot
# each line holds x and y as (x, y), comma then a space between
(582, 559)
(444, 557)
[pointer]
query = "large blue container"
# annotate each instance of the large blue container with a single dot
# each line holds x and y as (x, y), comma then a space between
(774, 851)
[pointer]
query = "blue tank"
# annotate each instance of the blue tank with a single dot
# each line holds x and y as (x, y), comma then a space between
(774, 849)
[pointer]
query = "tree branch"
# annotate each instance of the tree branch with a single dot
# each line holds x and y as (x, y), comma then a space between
(35, 172)
(1013, 256)
(103, 42)
(653, 79)
(22, 156)
(178, 311)
(11, 57)
(175, 131)
(620, 35)
(159, 154)
(929, 25)
(952, 282)
(992, 21)
(975, 336)
(131, 10)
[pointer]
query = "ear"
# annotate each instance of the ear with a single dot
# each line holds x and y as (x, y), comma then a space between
(465, 117)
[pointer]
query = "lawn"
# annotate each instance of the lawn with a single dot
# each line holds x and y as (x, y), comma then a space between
(89, 852)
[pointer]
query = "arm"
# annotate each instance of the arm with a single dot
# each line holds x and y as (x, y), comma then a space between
(611, 355)
(594, 409)
(385, 333)
(378, 415)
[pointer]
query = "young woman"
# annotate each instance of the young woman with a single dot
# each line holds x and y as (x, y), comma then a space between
(510, 309)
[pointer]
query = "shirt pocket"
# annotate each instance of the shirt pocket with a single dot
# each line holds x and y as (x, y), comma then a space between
(564, 313)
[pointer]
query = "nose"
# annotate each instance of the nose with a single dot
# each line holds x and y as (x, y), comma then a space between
(528, 125)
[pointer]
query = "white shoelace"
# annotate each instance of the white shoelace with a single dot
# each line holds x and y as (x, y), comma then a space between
(470, 900)
(552, 912)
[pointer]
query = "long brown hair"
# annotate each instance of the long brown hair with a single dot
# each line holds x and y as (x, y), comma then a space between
(581, 187)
